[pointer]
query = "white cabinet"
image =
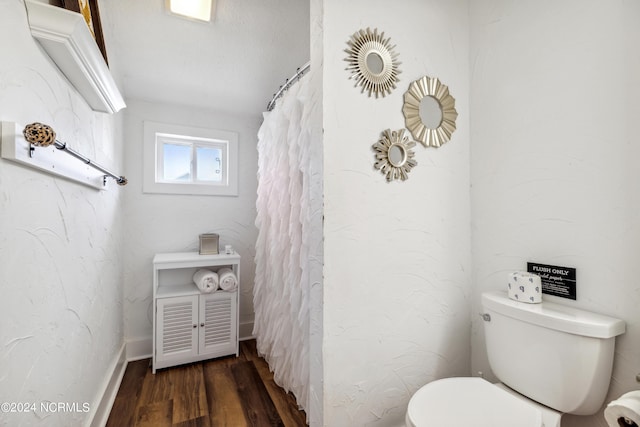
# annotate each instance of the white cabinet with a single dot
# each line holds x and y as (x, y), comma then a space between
(188, 325)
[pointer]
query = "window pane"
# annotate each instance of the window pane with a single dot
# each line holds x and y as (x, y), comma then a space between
(209, 164)
(177, 162)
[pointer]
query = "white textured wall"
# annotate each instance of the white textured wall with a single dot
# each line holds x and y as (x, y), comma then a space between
(60, 262)
(555, 101)
(316, 374)
(172, 223)
(397, 255)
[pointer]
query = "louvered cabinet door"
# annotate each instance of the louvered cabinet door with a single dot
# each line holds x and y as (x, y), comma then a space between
(177, 328)
(218, 318)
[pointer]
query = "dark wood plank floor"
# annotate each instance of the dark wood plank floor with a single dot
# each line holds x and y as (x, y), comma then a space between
(228, 391)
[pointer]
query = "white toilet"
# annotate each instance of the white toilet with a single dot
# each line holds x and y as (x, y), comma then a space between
(550, 358)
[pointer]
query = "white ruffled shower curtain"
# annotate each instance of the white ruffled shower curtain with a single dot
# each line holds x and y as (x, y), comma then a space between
(281, 293)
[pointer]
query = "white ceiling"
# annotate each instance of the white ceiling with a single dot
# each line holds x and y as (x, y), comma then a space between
(234, 64)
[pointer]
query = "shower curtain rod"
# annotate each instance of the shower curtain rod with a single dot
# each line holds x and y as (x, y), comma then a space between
(299, 72)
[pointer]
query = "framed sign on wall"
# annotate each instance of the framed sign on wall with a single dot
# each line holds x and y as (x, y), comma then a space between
(89, 10)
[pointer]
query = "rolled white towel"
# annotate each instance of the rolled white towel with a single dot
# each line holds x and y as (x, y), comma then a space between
(228, 280)
(206, 280)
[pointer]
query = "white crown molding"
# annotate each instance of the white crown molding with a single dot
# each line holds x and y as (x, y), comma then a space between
(65, 37)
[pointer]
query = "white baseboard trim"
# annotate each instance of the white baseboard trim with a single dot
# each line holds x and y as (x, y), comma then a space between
(245, 331)
(109, 390)
(141, 348)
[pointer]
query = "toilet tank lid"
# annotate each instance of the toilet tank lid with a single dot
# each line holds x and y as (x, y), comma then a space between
(555, 316)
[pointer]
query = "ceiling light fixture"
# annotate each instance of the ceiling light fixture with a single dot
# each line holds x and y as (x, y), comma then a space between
(196, 9)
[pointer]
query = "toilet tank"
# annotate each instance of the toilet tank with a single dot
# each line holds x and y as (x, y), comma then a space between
(554, 354)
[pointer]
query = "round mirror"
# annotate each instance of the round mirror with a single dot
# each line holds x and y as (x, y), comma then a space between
(397, 155)
(375, 63)
(430, 112)
(372, 62)
(394, 157)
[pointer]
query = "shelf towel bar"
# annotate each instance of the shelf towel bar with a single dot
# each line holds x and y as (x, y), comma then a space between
(42, 135)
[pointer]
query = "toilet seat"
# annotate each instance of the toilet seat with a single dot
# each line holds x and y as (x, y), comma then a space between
(454, 402)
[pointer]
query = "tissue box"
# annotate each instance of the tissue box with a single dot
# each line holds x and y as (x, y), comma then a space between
(525, 287)
(209, 244)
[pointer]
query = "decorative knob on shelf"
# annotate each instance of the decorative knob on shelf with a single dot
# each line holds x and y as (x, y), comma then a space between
(39, 134)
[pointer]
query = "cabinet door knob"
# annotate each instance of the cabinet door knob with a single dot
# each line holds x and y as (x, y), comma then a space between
(195, 326)
(202, 325)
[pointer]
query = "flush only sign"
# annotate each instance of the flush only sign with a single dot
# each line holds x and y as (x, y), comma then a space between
(558, 281)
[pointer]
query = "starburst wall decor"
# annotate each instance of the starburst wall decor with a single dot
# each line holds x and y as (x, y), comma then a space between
(394, 156)
(427, 135)
(372, 62)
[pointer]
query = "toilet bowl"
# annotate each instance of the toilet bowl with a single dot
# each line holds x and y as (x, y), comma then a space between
(472, 401)
(550, 359)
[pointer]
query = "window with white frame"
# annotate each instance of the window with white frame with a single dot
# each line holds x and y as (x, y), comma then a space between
(188, 160)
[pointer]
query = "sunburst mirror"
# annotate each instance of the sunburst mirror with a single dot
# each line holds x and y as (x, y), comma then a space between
(372, 62)
(394, 155)
(429, 111)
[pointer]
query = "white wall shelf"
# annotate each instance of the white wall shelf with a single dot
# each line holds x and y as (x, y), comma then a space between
(47, 159)
(65, 37)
